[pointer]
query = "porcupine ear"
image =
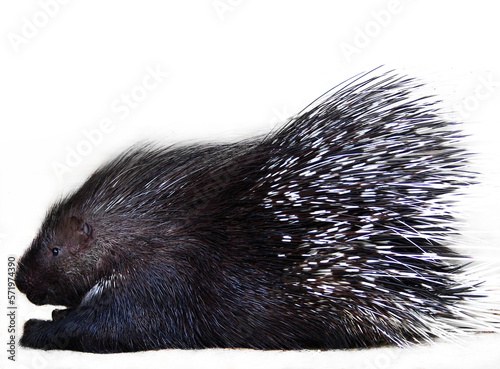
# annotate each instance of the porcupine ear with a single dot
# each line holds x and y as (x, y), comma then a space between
(81, 233)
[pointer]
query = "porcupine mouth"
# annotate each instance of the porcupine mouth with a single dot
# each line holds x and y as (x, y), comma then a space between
(38, 299)
(49, 298)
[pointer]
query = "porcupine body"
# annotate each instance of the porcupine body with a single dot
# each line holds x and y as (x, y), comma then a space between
(332, 232)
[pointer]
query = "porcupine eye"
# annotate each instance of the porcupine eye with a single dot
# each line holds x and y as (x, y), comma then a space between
(55, 251)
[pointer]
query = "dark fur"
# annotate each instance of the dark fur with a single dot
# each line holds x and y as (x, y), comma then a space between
(188, 253)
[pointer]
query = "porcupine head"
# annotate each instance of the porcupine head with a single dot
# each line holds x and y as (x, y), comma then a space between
(59, 266)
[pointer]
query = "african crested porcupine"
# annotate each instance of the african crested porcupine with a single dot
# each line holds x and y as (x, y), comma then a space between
(332, 232)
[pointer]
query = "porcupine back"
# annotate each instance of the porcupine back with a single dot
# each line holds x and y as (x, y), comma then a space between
(355, 201)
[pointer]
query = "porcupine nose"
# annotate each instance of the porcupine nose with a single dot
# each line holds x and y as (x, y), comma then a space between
(20, 280)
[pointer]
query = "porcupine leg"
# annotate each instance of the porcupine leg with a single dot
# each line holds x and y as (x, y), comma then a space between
(75, 330)
(58, 314)
(42, 334)
(70, 332)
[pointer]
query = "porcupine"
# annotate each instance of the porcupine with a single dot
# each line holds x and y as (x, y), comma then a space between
(334, 231)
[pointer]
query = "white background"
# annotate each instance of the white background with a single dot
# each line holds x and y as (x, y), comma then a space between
(226, 70)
